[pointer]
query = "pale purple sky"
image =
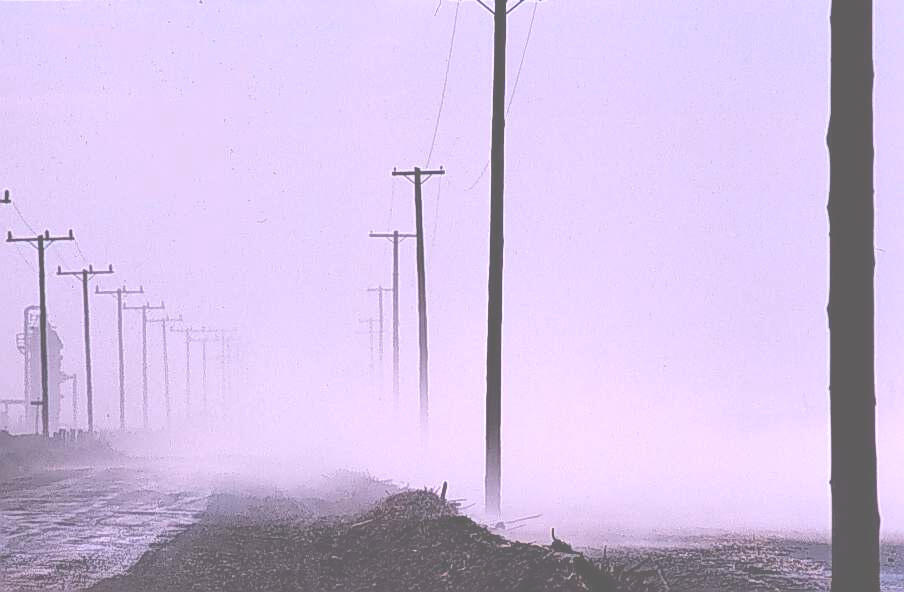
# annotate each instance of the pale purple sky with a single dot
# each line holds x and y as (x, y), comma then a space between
(665, 278)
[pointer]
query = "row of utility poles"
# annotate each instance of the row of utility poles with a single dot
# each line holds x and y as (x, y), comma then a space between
(417, 176)
(41, 242)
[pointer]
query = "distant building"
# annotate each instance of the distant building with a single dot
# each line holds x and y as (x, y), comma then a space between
(29, 344)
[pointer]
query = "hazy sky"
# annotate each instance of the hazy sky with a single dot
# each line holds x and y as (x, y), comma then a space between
(665, 275)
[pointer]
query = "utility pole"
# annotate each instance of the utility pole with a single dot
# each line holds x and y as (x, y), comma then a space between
(118, 292)
(144, 308)
(85, 275)
(166, 386)
(224, 340)
(204, 340)
(189, 338)
(6, 198)
(852, 300)
(43, 241)
(379, 290)
(418, 177)
(396, 237)
(187, 332)
(493, 478)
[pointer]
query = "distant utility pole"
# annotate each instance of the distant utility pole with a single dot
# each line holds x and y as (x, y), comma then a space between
(6, 198)
(204, 341)
(85, 275)
(190, 336)
(166, 386)
(417, 177)
(379, 290)
(144, 308)
(396, 237)
(187, 332)
(224, 341)
(43, 241)
(118, 292)
(493, 479)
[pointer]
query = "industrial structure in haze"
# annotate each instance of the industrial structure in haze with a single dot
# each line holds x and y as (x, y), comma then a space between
(28, 416)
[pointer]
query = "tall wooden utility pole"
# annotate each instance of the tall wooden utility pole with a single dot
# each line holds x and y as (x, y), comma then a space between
(144, 308)
(43, 241)
(85, 276)
(493, 479)
(118, 292)
(855, 508)
(396, 237)
(166, 385)
(418, 177)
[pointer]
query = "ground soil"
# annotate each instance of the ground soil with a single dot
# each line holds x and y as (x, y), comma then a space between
(410, 540)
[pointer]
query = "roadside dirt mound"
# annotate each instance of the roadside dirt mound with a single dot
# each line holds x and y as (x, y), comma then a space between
(409, 541)
(415, 541)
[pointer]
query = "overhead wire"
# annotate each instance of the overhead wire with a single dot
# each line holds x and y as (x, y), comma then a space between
(530, 30)
(439, 114)
(18, 249)
(442, 100)
(59, 254)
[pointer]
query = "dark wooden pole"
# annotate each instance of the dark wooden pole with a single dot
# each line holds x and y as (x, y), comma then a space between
(494, 309)
(423, 396)
(42, 288)
(855, 511)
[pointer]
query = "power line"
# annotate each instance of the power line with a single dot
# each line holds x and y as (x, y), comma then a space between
(80, 253)
(530, 30)
(442, 99)
(18, 247)
(59, 254)
(24, 221)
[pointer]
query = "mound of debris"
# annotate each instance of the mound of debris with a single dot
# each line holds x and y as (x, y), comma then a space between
(413, 540)
(416, 541)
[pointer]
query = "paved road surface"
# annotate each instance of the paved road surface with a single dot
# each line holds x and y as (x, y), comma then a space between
(66, 529)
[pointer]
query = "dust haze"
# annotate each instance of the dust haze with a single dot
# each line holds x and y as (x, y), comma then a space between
(665, 275)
